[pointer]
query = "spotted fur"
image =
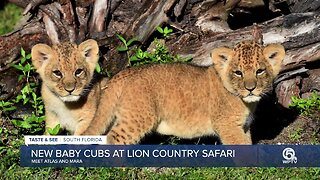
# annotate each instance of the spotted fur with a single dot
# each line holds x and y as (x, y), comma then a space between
(185, 100)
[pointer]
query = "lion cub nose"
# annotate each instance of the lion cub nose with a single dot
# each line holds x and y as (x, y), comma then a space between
(69, 87)
(250, 86)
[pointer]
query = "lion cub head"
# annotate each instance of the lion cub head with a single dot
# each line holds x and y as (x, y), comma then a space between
(66, 69)
(248, 68)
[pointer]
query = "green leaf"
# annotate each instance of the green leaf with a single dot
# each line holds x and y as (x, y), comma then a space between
(23, 60)
(32, 84)
(28, 56)
(25, 124)
(122, 49)
(134, 58)
(139, 54)
(167, 30)
(18, 98)
(20, 77)
(10, 108)
(41, 119)
(159, 29)
(25, 100)
(131, 41)
(55, 130)
(122, 39)
(27, 67)
(19, 67)
(5, 103)
(23, 53)
(16, 122)
(98, 68)
(34, 96)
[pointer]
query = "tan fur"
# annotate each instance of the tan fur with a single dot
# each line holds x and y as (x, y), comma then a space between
(66, 71)
(186, 100)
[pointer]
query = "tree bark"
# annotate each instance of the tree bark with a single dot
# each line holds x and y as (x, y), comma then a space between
(199, 26)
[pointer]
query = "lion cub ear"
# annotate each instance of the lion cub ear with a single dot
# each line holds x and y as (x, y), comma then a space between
(40, 53)
(275, 54)
(89, 49)
(220, 57)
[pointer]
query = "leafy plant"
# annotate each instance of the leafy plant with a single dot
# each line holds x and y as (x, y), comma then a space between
(164, 31)
(28, 95)
(11, 139)
(10, 14)
(10, 142)
(55, 130)
(6, 106)
(126, 45)
(33, 123)
(160, 54)
(305, 106)
(102, 71)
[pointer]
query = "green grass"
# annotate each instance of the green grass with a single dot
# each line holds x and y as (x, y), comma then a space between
(305, 106)
(297, 134)
(9, 16)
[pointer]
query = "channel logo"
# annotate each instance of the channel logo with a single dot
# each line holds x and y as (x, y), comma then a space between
(289, 156)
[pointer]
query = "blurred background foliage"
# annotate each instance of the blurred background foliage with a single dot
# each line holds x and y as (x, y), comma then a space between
(9, 16)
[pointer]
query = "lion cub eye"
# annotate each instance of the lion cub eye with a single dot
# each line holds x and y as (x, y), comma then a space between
(78, 72)
(57, 73)
(238, 73)
(260, 72)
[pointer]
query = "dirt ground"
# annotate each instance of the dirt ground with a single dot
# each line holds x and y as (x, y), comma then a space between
(304, 130)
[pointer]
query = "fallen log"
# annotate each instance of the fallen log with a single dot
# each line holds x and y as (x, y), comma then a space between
(51, 22)
(299, 33)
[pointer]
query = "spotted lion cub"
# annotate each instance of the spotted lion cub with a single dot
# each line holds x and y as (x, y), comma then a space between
(186, 100)
(66, 70)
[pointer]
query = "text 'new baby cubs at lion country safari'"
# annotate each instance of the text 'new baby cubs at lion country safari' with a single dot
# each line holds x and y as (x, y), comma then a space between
(173, 99)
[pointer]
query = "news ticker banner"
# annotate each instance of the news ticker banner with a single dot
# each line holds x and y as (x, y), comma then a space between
(38, 154)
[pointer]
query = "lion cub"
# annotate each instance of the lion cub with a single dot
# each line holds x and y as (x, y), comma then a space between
(66, 71)
(188, 101)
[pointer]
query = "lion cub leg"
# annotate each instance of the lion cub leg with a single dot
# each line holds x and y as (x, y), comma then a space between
(234, 134)
(51, 121)
(82, 127)
(131, 125)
